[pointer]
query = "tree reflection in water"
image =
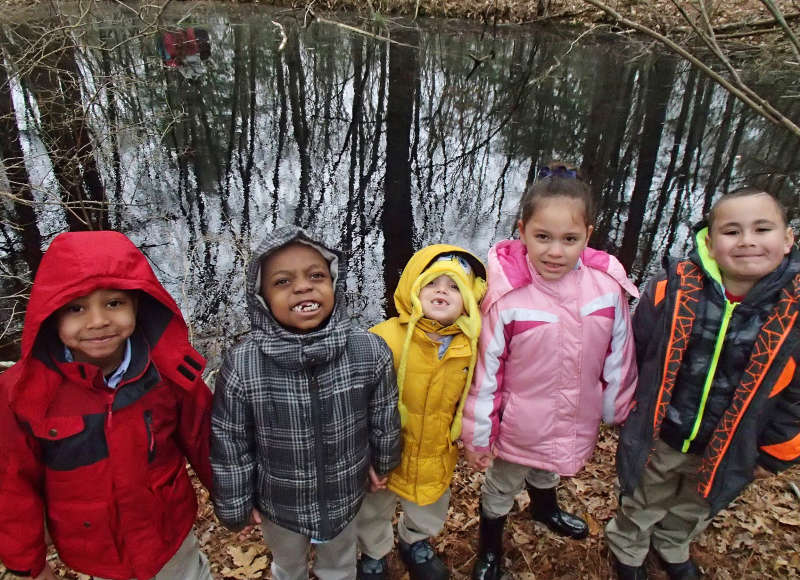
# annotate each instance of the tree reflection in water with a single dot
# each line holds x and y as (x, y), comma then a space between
(380, 147)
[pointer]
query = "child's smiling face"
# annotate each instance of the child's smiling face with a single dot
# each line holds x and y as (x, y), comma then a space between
(748, 239)
(297, 286)
(95, 326)
(555, 235)
(441, 300)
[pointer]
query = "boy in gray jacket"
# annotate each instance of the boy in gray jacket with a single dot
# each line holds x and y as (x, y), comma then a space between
(305, 412)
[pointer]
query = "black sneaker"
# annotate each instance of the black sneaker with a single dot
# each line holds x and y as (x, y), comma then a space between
(372, 569)
(422, 561)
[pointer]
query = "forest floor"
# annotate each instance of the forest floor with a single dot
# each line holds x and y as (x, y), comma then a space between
(672, 17)
(756, 537)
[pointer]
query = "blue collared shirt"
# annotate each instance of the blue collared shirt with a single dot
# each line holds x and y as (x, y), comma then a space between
(113, 380)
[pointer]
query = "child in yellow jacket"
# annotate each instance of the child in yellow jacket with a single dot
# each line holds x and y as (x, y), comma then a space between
(434, 342)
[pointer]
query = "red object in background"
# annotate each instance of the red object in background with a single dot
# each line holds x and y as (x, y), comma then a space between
(175, 45)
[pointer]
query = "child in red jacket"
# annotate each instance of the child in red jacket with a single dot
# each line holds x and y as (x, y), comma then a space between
(98, 418)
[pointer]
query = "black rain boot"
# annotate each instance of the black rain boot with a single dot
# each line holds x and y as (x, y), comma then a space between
(370, 568)
(490, 549)
(625, 572)
(422, 561)
(682, 570)
(544, 508)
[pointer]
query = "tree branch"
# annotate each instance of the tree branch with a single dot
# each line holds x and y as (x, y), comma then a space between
(740, 90)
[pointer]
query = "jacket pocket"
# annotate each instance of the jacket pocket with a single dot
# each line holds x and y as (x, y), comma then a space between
(82, 532)
(151, 438)
(72, 442)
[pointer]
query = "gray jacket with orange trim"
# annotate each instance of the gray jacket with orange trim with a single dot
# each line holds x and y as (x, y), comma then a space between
(738, 409)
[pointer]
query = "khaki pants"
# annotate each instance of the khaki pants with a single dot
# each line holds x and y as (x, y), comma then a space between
(665, 510)
(335, 559)
(416, 522)
(505, 480)
(188, 563)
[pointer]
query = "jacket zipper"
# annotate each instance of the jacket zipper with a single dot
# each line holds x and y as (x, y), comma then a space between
(712, 371)
(151, 440)
(319, 456)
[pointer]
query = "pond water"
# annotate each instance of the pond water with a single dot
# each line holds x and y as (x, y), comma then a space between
(376, 146)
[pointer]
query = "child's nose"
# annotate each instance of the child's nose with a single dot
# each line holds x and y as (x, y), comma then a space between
(302, 285)
(97, 317)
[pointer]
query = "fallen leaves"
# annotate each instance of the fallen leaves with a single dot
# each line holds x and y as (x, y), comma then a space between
(755, 538)
(249, 563)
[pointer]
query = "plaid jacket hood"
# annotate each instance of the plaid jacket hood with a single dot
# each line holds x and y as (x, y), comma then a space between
(289, 349)
(299, 418)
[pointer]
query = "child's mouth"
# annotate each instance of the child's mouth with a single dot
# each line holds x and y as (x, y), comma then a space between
(306, 307)
(98, 339)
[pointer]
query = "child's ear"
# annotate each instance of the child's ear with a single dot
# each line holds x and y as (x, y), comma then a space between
(788, 241)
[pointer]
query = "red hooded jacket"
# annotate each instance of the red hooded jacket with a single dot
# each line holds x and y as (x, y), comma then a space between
(105, 467)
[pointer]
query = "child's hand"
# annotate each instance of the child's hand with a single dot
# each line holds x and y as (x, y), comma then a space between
(376, 482)
(761, 473)
(255, 520)
(478, 461)
(46, 574)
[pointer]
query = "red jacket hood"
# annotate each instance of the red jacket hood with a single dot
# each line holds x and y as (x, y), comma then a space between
(77, 263)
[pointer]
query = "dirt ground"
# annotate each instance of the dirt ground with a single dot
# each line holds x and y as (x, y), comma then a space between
(662, 15)
(756, 538)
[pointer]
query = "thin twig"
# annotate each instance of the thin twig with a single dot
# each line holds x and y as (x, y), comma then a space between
(793, 487)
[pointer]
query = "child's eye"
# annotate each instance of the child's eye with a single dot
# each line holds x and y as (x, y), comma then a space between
(763, 229)
(318, 275)
(542, 237)
(72, 308)
(453, 286)
(280, 282)
(115, 303)
(571, 239)
(729, 232)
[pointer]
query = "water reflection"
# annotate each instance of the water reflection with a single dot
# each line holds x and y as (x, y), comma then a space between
(380, 147)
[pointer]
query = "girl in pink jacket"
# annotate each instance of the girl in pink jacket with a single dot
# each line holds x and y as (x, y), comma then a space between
(556, 357)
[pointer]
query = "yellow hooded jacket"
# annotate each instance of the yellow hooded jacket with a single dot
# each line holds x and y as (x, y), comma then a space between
(432, 390)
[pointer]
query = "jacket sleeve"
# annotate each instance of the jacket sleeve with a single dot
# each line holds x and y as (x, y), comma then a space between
(386, 443)
(619, 369)
(232, 450)
(22, 543)
(779, 441)
(646, 318)
(194, 430)
(481, 420)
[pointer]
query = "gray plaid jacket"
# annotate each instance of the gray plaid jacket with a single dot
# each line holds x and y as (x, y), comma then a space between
(298, 418)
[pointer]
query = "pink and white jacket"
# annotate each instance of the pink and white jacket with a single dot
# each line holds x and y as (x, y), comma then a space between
(555, 358)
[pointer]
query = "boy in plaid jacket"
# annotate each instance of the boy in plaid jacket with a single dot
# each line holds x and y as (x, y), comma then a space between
(305, 411)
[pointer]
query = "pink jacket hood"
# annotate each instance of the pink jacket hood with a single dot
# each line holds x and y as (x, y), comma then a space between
(509, 269)
(556, 357)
